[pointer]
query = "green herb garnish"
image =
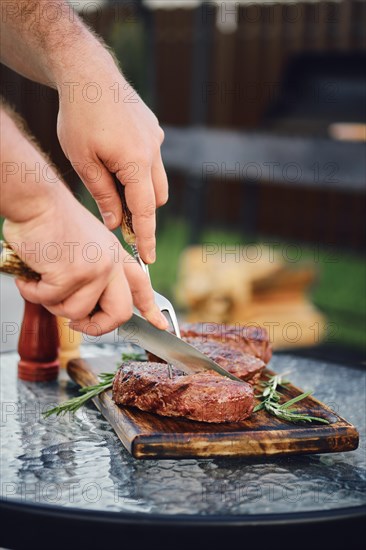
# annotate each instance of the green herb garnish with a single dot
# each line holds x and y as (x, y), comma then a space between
(88, 392)
(271, 397)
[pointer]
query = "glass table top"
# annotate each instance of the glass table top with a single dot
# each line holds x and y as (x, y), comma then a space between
(78, 461)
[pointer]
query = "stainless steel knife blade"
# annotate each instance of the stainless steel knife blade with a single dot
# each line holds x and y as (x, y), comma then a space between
(168, 347)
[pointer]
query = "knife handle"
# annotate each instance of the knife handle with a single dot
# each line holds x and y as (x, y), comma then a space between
(11, 264)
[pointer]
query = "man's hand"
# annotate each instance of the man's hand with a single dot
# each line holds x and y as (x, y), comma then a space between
(115, 133)
(80, 261)
(103, 125)
(82, 264)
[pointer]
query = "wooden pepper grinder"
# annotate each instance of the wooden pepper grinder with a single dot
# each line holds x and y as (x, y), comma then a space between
(38, 340)
(38, 345)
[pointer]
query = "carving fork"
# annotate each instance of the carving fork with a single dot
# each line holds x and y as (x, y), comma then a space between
(163, 303)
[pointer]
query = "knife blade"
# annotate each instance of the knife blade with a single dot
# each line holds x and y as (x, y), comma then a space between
(172, 349)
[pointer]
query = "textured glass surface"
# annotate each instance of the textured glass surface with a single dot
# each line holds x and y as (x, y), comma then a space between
(79, 461)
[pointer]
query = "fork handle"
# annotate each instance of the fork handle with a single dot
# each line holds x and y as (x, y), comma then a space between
(126, 226)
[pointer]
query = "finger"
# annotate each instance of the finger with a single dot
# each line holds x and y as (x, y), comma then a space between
(79, 305)
(140, 198)
(143, 295)
(160, 181)
(44, 293)
(29, 290)
(99, 181)
(115, 308)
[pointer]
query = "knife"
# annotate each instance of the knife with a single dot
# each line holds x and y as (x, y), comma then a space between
(137, 330)
(172, 349)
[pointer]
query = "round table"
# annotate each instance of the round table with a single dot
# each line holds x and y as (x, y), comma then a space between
(71, 479)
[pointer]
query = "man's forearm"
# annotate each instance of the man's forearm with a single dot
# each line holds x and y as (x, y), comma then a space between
(29, 183)
(46, 41)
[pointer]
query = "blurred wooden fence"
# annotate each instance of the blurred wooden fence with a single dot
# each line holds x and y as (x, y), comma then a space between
(244, 68)
(196, 74)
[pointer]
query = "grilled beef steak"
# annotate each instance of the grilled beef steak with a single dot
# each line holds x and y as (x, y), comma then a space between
(252, 340)
(232, 355)
(241, 364)
(204, 397)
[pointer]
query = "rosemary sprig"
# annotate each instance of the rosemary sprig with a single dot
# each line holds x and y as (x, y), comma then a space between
(271, 397)
(88, 392)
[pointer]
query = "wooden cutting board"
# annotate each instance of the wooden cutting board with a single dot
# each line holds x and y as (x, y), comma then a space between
(146, 435)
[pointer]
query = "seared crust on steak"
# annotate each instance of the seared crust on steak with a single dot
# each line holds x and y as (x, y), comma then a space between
(241, 364)
(204, 397)
(230, 357)
(252, 340)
